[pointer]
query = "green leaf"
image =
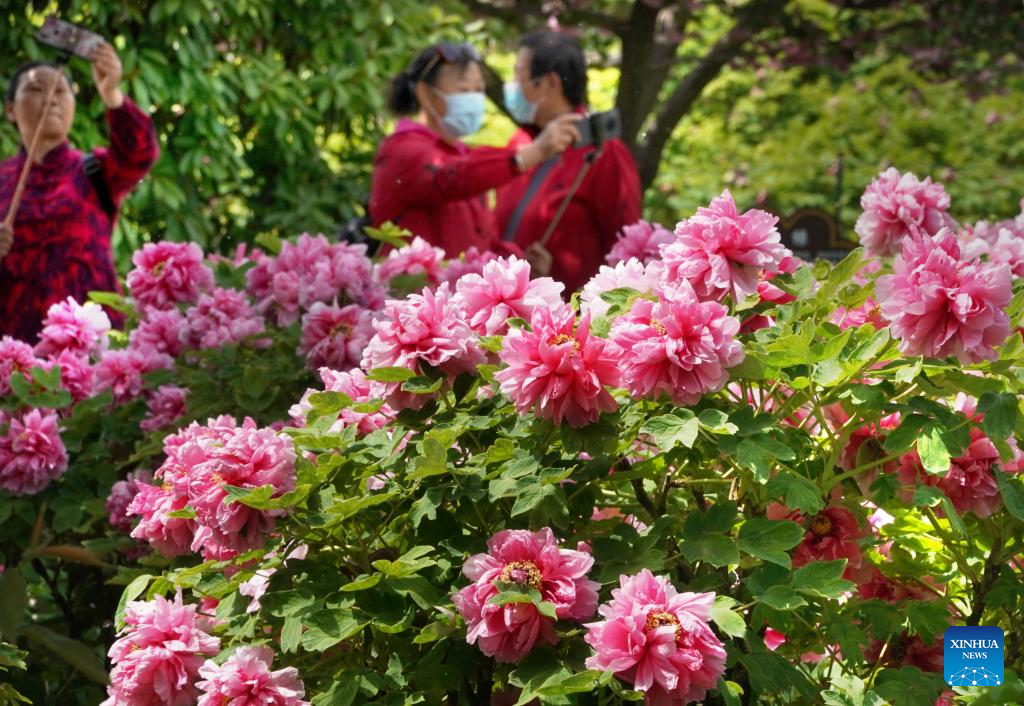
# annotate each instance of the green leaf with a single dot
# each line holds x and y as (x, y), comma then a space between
(730, 692)
(909, 686)
(291, 633)
(728, 621)
(432, 461)
(258, 498)
(362, 582)
(327, 628)
(769, 539)
(823, 579)
(1012, 491)
(1001, 414)
(669, 430)
(797, 492)
(408, 564)
(434, 632)
(13, 601)
(716, 421)
(80, 656)
(929, 619)
(390, 374)
(270, 242)
(534, 495)
(421, 385)
(781, 597)
(931, 446)
(389, 233)
(131, 592)
(771, 674)
(717, 549)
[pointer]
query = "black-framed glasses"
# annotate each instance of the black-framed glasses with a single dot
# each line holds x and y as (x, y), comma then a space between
(450, 53)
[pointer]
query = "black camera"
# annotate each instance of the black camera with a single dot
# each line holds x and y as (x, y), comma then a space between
(598, 128)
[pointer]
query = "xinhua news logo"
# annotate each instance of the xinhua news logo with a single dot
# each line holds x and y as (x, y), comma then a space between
(973, 656)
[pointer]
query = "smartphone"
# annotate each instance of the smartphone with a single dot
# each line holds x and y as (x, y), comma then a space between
(64, 35)
(598, 128)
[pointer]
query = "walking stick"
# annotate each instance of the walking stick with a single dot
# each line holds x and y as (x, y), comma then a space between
(19, 188)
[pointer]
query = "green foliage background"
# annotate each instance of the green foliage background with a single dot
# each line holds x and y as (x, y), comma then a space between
(269, 114)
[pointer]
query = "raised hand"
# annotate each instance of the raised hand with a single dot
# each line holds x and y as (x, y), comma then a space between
(106, 73)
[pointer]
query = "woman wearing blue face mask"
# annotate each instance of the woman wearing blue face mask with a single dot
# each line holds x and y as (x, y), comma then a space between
(425, 178)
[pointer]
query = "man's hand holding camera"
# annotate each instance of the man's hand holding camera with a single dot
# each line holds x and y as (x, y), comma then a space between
(556, 137)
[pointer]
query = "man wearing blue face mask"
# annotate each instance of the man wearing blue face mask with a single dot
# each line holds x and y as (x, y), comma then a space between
(587, 204)
(425, 179)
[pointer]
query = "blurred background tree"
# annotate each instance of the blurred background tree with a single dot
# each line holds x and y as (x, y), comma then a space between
(269, 112)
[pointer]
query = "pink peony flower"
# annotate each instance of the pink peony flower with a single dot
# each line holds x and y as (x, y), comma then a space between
(161, 331)
(1008, 249)
(171, 536)
(899, 205)
(658, 640)
(505, 291)
(865, 446)
(248, 458)
(629, 274)
(426, 328)
(531, 560)
(471, 261)
(970, 482)
(832, 534)
(158, 656)
(939, 306)
(221, 318)
(721, 252)
(870, 312)
(15, 357)
(121, 371)
(74, 327)
(362, 391)
(559, 370)
(773, 639)
(313, 270)
(76, 374)
(641, 240)
(121, 495)
(678, 348)
(417, 258)
(335, 336)
(167, 273)
(245, 679)
(166, 406)
(31, 452)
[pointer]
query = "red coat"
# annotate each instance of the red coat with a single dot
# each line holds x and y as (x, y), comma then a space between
(61, 233)
(608, 199)
(439, 191)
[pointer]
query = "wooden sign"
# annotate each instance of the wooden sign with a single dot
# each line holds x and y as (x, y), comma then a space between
(812, 234)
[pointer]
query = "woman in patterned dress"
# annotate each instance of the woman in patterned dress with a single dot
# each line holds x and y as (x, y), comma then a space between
(60, 244)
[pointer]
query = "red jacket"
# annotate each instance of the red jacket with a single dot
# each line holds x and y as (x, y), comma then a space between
(439, 191)
(61, 233)
(607, 199)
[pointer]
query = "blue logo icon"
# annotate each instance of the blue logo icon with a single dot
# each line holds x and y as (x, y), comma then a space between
(973, 656)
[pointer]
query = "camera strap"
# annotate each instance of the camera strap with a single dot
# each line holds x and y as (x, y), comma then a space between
(580, 175)
(93, 169)
(531, 190)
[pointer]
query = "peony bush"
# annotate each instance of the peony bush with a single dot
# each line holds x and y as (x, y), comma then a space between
(716, 474)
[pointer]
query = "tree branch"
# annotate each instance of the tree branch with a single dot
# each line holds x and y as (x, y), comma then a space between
(756, 16)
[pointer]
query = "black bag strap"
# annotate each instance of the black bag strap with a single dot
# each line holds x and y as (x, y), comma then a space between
(94, 172)
(531, 190)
